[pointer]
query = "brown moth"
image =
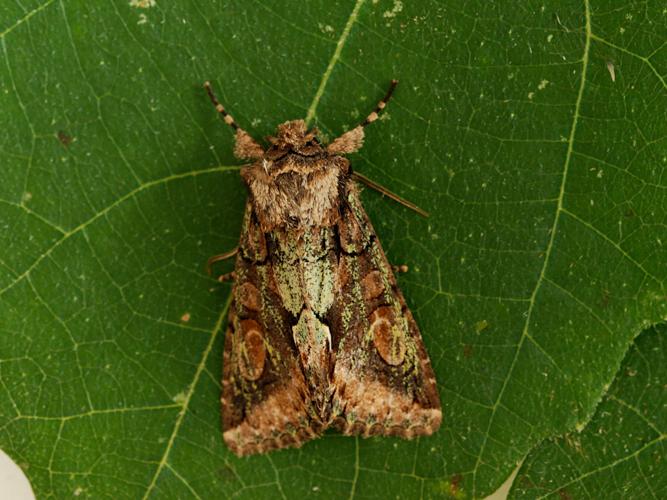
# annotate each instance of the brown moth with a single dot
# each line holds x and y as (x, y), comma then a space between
(318, 335)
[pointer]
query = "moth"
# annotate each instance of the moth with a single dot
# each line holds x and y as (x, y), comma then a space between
(319, 336)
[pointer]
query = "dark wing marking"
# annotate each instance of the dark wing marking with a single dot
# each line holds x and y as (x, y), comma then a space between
(384, 383)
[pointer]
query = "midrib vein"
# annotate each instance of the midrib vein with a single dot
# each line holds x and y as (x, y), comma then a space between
(334, 59)
(554, 228)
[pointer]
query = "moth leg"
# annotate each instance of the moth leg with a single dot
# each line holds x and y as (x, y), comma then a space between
(352, 140)
(246, 148)
(219, 258)
(227, 277)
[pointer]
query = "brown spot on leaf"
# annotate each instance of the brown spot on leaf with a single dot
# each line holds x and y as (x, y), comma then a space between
(65, 139)
(142, 4)
(252, 351)
(564, 495)
(630, 212)
(604, 301)
(186, 317)
(227, 474)
(455, 483)
(467, 350)
(388, 335)
(526, 482)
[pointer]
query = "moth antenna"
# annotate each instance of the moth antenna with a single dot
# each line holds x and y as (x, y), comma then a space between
(381, 189)
(353, 139)
(219, 107)
(246, 147)
(380, 105)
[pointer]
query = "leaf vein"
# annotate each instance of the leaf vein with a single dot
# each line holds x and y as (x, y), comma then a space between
(25, 18)
(611, 465)
(188, 397)
(646, 60)
(129, 195)
(612, 243)
(334, 59)
(550, 244)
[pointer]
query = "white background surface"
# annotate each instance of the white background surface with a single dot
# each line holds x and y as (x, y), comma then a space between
(13, 483)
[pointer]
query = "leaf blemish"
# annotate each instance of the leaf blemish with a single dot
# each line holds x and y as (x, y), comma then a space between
(612, 70)
(179, 398)
(398, 7)
(482, 325)
(325, 28)
(64, 138)
(142, 4)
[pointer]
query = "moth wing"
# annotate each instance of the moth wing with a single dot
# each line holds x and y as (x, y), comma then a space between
(265, 398)
(383, 379)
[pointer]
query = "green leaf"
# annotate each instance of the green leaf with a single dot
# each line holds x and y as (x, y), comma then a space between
(622, 451)
(545, 174)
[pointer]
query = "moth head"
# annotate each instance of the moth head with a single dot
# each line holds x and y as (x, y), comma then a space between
(294, 137)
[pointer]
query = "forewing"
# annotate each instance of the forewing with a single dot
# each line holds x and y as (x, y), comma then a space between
(265, 399)
(384, 383)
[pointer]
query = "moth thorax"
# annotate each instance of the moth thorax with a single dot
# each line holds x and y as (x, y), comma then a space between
(305, 196)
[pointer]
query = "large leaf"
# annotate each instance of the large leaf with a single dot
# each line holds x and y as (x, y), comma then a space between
(534, 133)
